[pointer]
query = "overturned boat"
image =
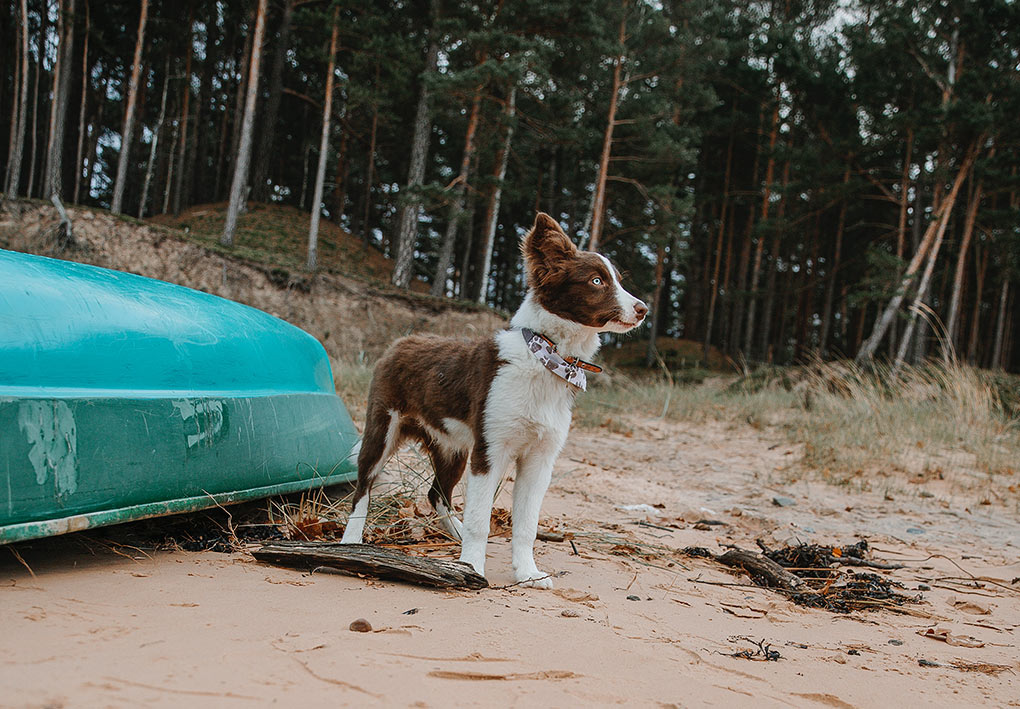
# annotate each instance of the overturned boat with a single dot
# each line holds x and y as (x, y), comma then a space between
(123, 397)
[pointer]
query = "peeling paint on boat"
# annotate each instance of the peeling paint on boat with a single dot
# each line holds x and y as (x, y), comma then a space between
(53, 443)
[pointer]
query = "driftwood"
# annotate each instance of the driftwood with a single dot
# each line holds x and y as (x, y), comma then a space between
(774, 575)
(371, 560)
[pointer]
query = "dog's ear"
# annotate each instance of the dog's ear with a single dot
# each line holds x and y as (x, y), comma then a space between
(545, 246)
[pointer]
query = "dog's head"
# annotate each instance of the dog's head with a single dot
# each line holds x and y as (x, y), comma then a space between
(580, 286)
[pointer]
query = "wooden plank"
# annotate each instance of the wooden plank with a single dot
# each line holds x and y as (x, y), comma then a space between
(371, 560)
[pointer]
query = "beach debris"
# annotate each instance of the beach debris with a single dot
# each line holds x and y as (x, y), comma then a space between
(762, 651)
(575, 595)
(570, 613)
(819, 555)
(943, 634)
(654, 510)
(808, 575)
(632, 597)
(968, 606)
(361, 626)
(988, 668)
(371, 560)
(927, 663)
(410, 611)
(780, 501)
(548, 536)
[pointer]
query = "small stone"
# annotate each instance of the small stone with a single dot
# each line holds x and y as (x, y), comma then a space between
(570, 613)
(895, 642)
(703, 527)
(925, 493)
(361, 626)
(783, 501)
(853, 652)
(923, 587)
(915, 530)
(633, 598)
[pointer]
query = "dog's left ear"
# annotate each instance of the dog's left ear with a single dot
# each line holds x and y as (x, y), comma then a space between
(544, 248)
(546, 242)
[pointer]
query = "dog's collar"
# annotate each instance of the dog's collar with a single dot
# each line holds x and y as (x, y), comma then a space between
(572, 369)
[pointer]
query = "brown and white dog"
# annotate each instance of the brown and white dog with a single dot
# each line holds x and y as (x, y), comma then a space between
(493, 400)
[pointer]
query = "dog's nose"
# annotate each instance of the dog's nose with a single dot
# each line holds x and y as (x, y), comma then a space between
(640, 309)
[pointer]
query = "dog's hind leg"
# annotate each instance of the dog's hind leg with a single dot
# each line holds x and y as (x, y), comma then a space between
(382, 437)
(449, 467)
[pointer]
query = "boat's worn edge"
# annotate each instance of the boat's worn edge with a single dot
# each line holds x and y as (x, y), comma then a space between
(90, 520)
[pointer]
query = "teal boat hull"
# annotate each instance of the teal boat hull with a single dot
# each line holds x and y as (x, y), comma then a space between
(123, 397)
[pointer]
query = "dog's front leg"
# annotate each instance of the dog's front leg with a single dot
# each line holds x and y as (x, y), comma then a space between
(480, 489)
(534, 470)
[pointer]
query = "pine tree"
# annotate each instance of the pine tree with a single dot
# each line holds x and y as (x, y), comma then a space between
(239, 187)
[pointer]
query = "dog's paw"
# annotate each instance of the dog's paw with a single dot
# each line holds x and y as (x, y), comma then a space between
(535, 579)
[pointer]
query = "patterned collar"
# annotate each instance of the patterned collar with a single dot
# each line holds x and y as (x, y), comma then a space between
(572, 369)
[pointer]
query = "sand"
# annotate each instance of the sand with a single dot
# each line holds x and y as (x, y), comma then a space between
(98, 626)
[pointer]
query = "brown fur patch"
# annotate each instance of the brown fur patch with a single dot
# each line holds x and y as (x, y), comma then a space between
(575, 285)
(427, 379)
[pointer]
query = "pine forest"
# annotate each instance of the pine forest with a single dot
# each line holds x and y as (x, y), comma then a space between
(781, 180)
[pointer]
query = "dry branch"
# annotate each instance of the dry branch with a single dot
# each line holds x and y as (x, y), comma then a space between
(774, 575)
(371, 560)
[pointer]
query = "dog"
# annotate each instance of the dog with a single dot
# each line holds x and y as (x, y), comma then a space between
(499, 400)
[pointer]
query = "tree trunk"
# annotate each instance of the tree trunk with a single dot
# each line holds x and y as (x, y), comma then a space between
(770, 166)
(408, 229)
(975, 321)
(155, 142)
(168, 184)
(15, 93)
(370, 169)
(93, 149)
(40, 53)
(240, 181)
(260, 175)
(457, 203)
(78, 166)
(1000, 325)
(66, 60)
(961, 261)
(495, 194)
(129, 115)
(320, 173)
(922, 290)
(598, 202)
(714, 282)
(777, 241)
(182, 146)
(830, 286)
(652, 353)
(937, 225)
(342, 170)
(14, 173)
(236, 112)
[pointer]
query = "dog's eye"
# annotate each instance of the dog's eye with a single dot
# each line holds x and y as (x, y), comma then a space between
(596, 281)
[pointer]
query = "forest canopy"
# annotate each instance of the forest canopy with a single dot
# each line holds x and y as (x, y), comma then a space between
(781, 180)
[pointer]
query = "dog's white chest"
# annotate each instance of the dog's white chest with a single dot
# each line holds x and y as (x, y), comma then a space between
(525, 399)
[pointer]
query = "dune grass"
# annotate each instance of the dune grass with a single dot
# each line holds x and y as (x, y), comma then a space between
(849, 420)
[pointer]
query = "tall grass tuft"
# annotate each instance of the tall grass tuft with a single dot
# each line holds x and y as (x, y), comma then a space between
(937, 419)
